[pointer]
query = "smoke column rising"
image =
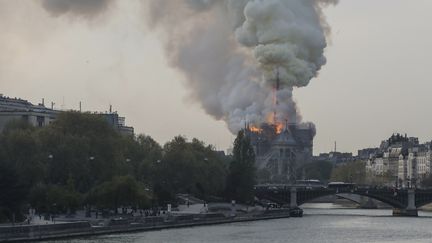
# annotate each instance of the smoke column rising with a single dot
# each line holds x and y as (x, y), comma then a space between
(229, 51)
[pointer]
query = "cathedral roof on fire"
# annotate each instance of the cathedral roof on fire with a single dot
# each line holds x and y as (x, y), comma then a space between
(285, 139)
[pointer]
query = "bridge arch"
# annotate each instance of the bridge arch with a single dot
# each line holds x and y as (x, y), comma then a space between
(392, 201)
(423, 197)
(282, 195)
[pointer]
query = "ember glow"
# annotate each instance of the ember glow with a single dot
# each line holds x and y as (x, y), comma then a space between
(255, 129)
(279, 127)
(273, 121)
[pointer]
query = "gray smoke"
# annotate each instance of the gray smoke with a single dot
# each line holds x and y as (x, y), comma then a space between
(231, 52)
(78, 8)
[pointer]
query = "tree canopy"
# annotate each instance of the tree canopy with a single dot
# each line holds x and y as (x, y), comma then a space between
(80, 159)
(353, 172)
(242, 172)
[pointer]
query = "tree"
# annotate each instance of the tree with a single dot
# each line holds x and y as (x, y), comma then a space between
(12, 193)
(120, 191)
(353, 172)
(20, 150)
(189, 167)
(55, 198)
(80, 156)
(142, 155)
(319, 170)
(242, 173)
(84, 145)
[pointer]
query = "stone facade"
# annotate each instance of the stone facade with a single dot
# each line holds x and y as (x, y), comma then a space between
(282, 154)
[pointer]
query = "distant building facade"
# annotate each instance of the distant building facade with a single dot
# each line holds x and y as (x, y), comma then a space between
(402, 158)
(118, 123)
(12, 109)
(18, 109)
(364, 154)
(335, 157)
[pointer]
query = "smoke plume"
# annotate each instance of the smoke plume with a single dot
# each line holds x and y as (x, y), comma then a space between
(78, 8)
(233, 51)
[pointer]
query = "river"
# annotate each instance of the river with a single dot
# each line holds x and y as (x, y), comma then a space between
(321, 223)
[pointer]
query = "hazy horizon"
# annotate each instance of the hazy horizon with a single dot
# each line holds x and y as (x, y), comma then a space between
(375, 82)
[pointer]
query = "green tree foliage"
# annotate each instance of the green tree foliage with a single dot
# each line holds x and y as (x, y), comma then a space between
(17, 169)
(142, 155)
(80, 159)
(385, 179)
(353, 172)
(121, 191)
(61, 199)
(242, 172)
(82, 145)
(12, 192)
(189, 167)
(20, 150)
(318, 170)
(54, 198)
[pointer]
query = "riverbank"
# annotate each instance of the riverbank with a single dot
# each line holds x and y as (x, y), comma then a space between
(127, 225)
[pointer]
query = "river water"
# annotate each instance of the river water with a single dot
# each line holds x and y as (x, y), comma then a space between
(321, 223)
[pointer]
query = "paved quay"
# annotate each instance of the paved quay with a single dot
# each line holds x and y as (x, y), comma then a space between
(187, 216)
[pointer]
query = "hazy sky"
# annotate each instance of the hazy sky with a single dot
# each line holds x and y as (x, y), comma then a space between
(376, 81)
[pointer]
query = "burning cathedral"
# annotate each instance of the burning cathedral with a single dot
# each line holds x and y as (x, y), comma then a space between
(281, 148)
(243, 63)
(282, 151)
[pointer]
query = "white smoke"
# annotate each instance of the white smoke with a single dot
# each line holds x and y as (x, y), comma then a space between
(232, 50)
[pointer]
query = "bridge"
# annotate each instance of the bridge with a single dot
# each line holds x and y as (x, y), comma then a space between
(405, 202)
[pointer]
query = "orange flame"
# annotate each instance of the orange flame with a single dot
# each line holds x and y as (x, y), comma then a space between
(255, 129)
(279, 127)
